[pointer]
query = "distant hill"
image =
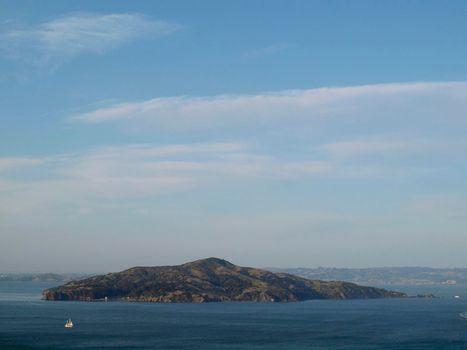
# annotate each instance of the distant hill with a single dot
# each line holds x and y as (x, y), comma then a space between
(208, 280)
(41, 277)
(383, 275)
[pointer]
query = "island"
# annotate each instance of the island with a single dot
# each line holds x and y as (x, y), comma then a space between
(209, 280)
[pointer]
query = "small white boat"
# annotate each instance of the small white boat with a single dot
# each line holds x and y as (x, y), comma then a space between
(69, 323)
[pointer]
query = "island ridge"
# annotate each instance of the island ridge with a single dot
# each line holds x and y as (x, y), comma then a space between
(209, 280)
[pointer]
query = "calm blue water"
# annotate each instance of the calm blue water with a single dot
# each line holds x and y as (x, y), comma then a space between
(26, 322)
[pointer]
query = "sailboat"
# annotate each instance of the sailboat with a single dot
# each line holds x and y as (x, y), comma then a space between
(69, 323)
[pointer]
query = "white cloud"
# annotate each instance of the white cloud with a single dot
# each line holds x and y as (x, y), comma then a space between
(62, 38)
(290, 106)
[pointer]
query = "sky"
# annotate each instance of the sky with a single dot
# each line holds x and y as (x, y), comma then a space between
(268, 133)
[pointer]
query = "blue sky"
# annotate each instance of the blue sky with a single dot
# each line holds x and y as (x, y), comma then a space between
(278, 133)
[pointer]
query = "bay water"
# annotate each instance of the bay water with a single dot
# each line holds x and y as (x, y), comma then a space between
(27, 322)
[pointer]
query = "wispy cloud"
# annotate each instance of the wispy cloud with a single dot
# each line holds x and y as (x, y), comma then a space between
(143, 171)
(291, 106)
(12, 163)
(60, 39)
